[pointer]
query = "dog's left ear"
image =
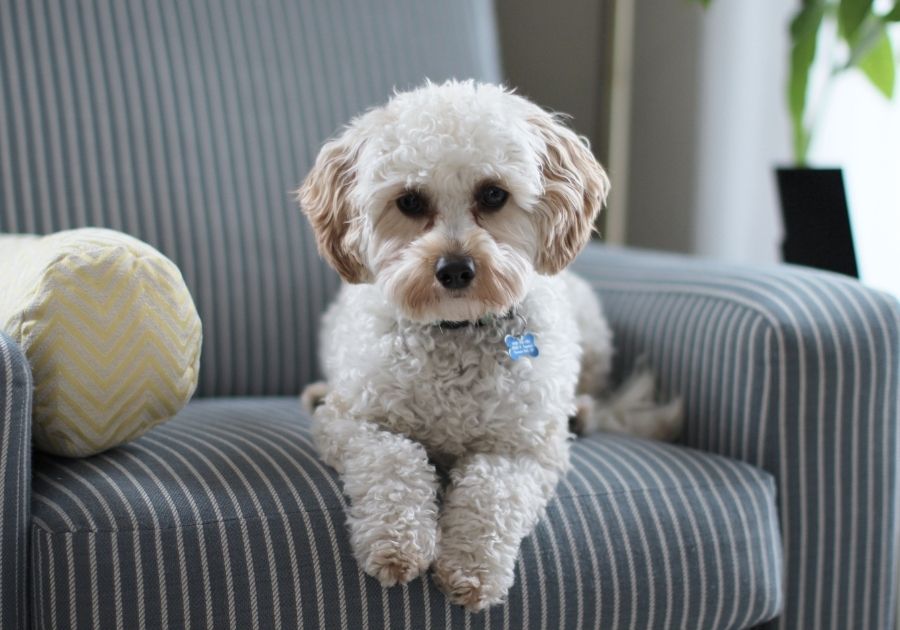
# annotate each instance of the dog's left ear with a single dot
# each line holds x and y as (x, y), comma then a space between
(574, 191)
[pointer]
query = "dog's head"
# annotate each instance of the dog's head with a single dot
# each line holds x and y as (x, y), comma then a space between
(450, 197)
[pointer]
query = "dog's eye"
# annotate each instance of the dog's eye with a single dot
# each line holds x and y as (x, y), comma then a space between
(492, 197)
(412, 204)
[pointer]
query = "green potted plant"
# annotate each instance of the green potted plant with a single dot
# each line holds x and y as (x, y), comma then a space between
(813, 200)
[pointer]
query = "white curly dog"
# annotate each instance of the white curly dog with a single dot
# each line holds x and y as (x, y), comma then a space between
(459, 348)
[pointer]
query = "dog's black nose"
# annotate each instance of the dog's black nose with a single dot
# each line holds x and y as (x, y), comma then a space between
(455, 272)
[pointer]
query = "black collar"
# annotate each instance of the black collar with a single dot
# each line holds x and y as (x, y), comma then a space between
(478, 323)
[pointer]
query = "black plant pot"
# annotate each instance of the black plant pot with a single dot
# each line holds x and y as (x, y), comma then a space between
(816, 220)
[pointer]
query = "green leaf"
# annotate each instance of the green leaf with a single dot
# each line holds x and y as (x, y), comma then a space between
(878, 65)
(851, 14)
(868, 35)
(804, 32)
(894, 14)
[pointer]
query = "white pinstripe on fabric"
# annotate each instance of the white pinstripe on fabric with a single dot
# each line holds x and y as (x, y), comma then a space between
(757, 526)
(95, 596)
(38, 606)
(725, 332)
(158, 545)
(204, 564)
(680, 541)
(529, 544)
(293, 457)
(22, 480)
(93, 527)
(741, 443)
(813, 300)
(39, 579)
(560, 585)
(854, 424)
(152, 508)
(282, 512)
(579, 587)
(8, 419)
(704, 479)
(632, 576)
(595, 572)
(670, 596)
(885, 412)
(305, 437)
(51, 583)
(523, 580)
(612, 564)
(707, 481)
(211, 435)
(230, 491)
(69, 550)
(164, 447)
(52, 588)
(642, 533)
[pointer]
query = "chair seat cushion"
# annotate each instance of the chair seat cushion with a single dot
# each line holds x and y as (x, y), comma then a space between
(225, 517)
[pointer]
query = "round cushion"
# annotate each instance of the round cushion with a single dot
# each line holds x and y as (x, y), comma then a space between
(110, 330)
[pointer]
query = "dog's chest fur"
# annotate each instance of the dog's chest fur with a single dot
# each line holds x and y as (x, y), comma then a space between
(457, 390)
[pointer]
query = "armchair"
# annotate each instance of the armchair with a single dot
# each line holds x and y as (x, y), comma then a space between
(185, 125)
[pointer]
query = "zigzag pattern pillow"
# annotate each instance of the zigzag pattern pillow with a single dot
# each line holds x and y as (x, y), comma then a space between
(110, 331)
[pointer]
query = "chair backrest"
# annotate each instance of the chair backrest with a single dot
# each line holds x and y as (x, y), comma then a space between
(188, 123)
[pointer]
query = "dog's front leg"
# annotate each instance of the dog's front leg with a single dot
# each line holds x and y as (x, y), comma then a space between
(494, 501)
(393, 495)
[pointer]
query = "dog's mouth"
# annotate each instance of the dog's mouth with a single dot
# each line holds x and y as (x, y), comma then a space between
(434, 303)
(463, 286)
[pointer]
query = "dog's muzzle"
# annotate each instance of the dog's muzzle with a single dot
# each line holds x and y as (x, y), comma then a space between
(455, 272)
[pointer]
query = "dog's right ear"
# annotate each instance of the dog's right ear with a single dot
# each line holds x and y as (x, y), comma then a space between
(324, 197)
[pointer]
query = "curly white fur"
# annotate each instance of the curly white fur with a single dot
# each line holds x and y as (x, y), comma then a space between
(410, 396)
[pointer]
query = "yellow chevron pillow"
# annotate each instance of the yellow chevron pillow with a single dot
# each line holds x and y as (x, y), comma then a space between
(110, 330)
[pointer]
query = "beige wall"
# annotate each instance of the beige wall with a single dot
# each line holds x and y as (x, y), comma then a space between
(664, 123)
(558, 55)
(554, 53)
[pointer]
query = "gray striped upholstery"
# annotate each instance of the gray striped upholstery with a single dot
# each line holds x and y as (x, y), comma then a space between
(798, 373)
(187, 123)
(225, 518)
(15, 489)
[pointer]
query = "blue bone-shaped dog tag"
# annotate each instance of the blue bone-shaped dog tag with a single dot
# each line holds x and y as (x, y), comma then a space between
(521, 346)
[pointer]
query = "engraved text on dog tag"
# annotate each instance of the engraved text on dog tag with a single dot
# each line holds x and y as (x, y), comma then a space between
(521, 346)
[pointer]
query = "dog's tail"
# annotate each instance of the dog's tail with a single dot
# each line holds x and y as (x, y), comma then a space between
(632, 410)
(313, 395)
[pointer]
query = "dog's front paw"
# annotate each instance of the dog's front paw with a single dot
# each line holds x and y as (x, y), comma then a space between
(390, 565)
(473, 587)
(395, 554)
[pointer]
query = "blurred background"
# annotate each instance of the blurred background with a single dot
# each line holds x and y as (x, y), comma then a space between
(688, 109)
(684, 101)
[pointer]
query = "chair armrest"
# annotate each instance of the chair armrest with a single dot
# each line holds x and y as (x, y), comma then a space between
(797, 372)
(15, 483)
